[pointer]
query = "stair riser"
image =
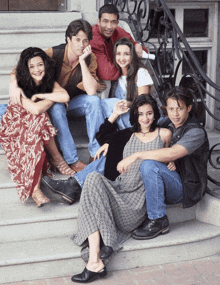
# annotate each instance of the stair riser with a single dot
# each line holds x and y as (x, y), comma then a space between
(35, 231)
(123, 260)
(4, 84)
(167, 254)
(24, 21)
(37, 39)
(68, 226)
(8, 60)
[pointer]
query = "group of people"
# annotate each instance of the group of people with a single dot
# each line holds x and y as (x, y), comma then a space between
(139, 162)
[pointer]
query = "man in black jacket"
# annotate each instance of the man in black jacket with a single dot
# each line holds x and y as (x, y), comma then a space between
(189, 150)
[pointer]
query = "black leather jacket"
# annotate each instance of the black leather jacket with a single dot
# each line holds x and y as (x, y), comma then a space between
(192, 168)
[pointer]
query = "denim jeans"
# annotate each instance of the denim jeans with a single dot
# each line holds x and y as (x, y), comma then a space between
(81, 105)
(97, 165)
(3, 108)
(108, 105)
(162, 187)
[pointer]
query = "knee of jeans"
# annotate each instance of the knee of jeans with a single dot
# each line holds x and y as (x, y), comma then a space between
(57, 109)
(94, 100)
(148, 166)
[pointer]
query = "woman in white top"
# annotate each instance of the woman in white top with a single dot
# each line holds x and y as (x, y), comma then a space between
(134, 80)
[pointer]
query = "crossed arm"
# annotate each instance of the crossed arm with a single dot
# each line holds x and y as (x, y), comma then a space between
(163, 155)
(46, 100)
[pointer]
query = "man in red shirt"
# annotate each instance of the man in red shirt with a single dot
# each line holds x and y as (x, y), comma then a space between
(105, 33)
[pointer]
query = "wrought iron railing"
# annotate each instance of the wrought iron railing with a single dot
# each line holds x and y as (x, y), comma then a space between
(170, 49)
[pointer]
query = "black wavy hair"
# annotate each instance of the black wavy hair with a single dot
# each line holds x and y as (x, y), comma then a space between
(132, 69)
(109, 9)
(143, 99)
(24, 79)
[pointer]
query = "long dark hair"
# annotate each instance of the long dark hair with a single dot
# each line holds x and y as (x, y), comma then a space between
(132, 69)
(143, 99)
(24, 79)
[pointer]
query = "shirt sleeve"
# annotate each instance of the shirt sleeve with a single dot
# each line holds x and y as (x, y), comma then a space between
(49, 52)
(192, 139)
(143, 78)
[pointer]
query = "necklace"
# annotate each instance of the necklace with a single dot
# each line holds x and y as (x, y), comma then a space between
(143, 134)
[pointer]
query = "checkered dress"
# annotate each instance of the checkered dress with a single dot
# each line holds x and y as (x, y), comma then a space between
(114, 208)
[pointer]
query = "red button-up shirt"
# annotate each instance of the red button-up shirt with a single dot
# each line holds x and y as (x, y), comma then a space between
(103, 49)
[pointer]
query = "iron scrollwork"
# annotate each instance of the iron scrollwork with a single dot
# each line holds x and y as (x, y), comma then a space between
(171, 50)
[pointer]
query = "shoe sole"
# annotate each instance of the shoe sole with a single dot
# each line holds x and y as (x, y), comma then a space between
(162, 232)
(57, 192)
(98, 276)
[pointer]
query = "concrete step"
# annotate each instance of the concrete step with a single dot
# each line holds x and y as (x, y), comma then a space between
(27, 222)
(56, 257)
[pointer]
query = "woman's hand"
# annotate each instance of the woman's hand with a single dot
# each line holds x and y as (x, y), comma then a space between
(121, 107)
(124, 164)
(36, 97)
(104, 149)
(171, 166)
(15, 93)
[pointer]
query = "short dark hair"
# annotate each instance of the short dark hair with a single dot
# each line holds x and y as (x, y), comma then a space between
(24, 78)
(143, 99)
(180, 93)
(77, 26)
(109, 9)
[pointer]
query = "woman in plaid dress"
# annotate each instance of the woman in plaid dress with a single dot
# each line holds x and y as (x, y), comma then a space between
(110, 210)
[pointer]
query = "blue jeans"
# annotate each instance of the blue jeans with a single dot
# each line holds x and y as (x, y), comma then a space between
(108, 105)
(97, 165)
(81, 105)
(162, 187)
(3, 108)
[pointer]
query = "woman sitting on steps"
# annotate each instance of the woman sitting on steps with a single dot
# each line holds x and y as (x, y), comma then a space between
(25, 129)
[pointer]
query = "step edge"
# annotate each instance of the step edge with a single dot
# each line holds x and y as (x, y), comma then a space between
(33, 31)
(126, 248)
(42, 219)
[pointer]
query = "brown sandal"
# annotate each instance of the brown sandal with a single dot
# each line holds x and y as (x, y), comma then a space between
(39, 198)
(63, 167)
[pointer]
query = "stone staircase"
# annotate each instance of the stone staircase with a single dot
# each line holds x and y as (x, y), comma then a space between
(35, 243)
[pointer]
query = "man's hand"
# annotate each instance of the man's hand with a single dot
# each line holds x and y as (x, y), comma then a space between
(86, 52)
(139, 50)
(171, 166)
(124, 164)
(104, 149)
(102, 87)
(15, 93)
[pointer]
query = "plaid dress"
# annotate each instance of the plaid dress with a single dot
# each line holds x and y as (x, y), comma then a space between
(114, 208)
